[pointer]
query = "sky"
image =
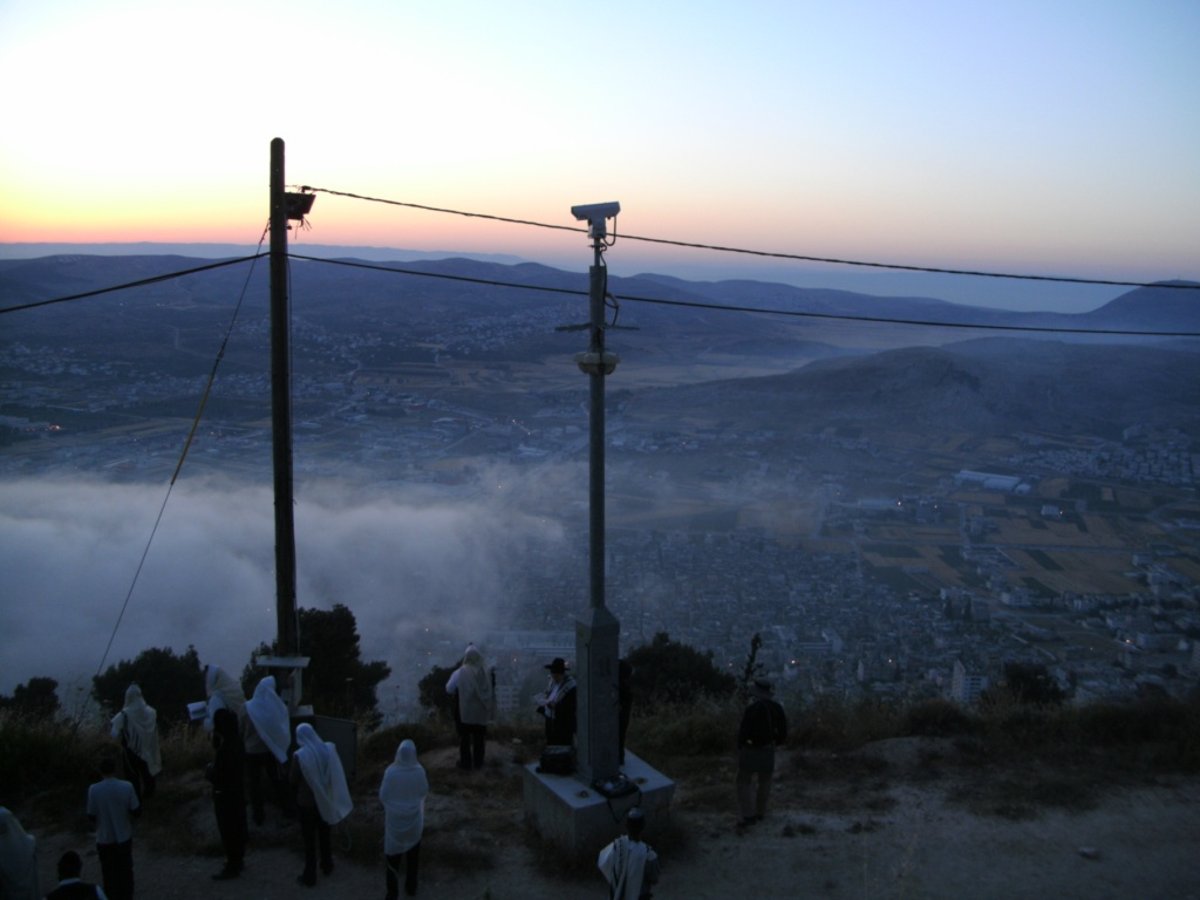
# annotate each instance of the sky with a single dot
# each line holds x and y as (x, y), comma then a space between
(1044, 137)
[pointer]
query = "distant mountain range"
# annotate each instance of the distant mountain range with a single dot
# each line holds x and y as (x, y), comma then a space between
(824, 369)
(1166, 307)
(984, 386)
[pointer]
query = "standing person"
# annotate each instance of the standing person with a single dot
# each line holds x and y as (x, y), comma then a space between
(136, 727)
(268, 735)
(763, 726)
(112, 804)
(403, 796)
(476, 701)
(557, 704)
(322, 798)
(18, 860)
(223, 692)
(629, 864)
(71, 885)
(227, 775)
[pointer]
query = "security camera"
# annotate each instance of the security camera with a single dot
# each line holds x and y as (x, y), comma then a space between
(593, 211)
(595, 214)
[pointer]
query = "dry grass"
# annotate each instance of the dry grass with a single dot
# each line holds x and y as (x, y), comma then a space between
(1004, 760)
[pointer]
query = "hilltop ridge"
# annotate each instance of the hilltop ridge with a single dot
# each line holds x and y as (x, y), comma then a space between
(899, 818)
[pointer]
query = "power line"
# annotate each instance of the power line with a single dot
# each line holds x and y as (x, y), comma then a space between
(182, 456)
(1061, 279)
(438, 209)
(132, 284)
(722, 307)
(885, 320)
(442, 275)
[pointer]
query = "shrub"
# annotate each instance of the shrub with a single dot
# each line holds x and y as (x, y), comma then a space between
(701, 728)
(52, 760)
(168, 682)
(666, 672)
(937, 718)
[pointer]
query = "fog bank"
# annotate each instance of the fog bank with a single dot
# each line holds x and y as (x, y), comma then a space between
(402, 559)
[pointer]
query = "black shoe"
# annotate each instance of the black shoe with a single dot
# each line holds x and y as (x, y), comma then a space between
(306, 880)
(226, 873)
(327, 869)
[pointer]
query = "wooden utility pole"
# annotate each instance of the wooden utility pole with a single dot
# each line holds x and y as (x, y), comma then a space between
(287, 622)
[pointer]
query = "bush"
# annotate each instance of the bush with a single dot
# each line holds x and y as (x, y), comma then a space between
(36, 699)
(169, 682)
(702, 728)
(54, 761)
(832, 723)
(937, 718)
(665, 672)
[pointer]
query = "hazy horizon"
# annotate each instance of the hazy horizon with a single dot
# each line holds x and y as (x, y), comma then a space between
(999, 293)
(1028, 137)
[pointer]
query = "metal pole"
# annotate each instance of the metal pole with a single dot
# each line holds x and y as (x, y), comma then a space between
(597, 634)
(596, 455)
(288, 641)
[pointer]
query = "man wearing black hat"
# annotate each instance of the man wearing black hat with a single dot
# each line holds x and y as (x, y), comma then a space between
(558, 704)
(763, 726)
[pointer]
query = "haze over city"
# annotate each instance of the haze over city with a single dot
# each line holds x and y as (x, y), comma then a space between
(1029, 137)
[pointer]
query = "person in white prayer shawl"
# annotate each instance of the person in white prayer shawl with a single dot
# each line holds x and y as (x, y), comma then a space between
(136, 727)
(268, 736)
(223, 692)
(322, 798)
(471, 686)
(628, 864)
(18, 860)
(402, 794)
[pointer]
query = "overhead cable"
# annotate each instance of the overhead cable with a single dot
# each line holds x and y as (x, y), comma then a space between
(1062, 279)
(132, 284)
(212, 375)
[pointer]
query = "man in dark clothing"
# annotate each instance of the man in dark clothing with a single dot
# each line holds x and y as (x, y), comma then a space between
(112, 804)
(227, 775)
(558, 704)
(763, 726)
(71, 885)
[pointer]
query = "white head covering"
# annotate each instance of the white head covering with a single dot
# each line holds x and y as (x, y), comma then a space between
(403, 796)
(322, 769)
(138, 722)
(223, 692)
(269, 715)
(18, 860)
(474, 687)
(623, 863)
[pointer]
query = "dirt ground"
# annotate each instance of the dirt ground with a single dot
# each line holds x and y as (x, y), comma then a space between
(899, 819)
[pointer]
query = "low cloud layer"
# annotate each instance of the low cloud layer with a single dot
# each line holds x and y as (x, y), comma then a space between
(402, 559)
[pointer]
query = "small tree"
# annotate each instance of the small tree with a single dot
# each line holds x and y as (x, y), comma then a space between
(36, 699)
(668, 672)
(337, 682)
(168, 682)
(753, 668)
(432, 692)
(1031, 683)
